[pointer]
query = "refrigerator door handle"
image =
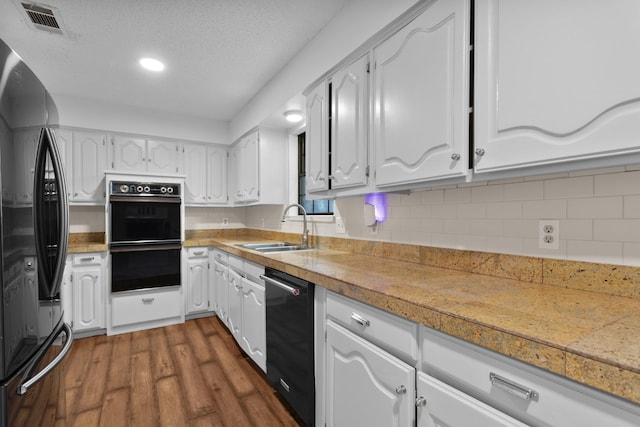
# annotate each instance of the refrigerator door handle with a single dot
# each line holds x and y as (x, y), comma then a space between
(25, 384)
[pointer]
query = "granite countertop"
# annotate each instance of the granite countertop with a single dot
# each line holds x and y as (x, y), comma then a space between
(586, 336)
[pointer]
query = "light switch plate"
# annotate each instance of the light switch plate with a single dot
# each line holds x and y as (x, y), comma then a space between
(340, 228)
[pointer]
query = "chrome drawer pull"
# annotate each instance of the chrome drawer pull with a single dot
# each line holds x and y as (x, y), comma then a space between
(401, 389)
(147, 300)
(512, 387)
(359, 319)
(421, 401)
(90, 258)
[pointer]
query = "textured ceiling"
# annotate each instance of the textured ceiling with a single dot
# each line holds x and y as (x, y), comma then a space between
(218, 53)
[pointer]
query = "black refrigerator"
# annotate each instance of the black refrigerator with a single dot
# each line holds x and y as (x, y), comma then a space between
(33, 245)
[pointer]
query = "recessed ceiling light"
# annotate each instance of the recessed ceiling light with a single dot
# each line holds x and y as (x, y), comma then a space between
(293, 115)
(151, 64)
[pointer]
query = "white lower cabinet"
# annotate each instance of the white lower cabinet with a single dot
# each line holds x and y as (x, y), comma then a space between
(254, 333)
(234, 316)
(143, 310)
(440, 405)
(219, 285)
(366, 386)
(88, 291)
(197, 282)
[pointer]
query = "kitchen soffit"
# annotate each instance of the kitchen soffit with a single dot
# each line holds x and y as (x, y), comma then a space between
(219, 54)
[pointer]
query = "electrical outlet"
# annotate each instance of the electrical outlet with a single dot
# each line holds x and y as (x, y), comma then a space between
(225, 222)
(340, 229)
(549, 234)
(262, 222)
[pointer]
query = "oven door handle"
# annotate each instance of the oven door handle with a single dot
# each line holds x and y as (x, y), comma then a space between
(295, 292)
(141, 248)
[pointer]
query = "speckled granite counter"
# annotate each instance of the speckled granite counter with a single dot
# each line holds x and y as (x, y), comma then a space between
(532, 309)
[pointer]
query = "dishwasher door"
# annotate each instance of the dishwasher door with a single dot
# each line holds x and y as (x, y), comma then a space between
(290, 350)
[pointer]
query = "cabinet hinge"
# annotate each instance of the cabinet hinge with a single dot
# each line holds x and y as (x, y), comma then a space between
(71, 277)
(112, 165)
(368, 67)
(366, 171)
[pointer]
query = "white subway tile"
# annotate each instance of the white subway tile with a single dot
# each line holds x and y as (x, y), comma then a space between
(631, 206)
(420, 211)
(521, 228)
(400, 212)
(601, 171)
(545, 209)
(576, 229)
(472, 243)
(616, 230)
(412, 237)
(471, 210)
(489, 193)
(504, 210)
(504, 245)
(530, 247)
(617, 184)
(532, 190)
(433, 197)
(444, 240)
(547, 176)
(598, 207)
(457, 226)
(568, 188)
(487, 227)
(594, 251)
(432, 225)
(444, 211)
(457, 195)
(631, 254)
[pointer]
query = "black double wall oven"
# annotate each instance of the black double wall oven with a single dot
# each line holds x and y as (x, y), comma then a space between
(145, 231)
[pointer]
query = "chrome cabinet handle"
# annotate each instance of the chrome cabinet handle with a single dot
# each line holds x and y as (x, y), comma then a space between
(147, 300)
(480, 151)
(421, 401)
(401, 389)
(513, 388)
(198, 252)
(359, 319)
(455, 156)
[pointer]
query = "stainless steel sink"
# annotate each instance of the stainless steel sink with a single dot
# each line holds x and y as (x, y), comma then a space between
(268, 247)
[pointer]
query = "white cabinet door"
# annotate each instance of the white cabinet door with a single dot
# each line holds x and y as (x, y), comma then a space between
(64, 139)
(26, 143)
(567, 78)
(235, 305)
(247, 168)
(162, 157)
(349, 125)
(254, 339)
(129, 154)
(317, 140)
(217, 175)
(195, 160)
(89, 153)
(197, 285)
(440, 405)
(421, 81)
(219, 290)
(88, 306)
(366, 386)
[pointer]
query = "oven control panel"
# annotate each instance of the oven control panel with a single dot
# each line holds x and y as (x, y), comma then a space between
(122, 188)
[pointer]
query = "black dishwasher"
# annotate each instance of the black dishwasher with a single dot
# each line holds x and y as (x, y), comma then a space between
(290, 349)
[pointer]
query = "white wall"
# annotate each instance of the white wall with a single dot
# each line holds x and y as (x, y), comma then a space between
(346, 32)
(599, 214)
(83, 113)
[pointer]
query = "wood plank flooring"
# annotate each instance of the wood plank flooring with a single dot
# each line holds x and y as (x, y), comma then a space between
(193, 374)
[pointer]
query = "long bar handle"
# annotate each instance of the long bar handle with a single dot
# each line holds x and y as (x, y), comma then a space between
(24, 387)
(295, 292)
(513, 388)
(360, 320)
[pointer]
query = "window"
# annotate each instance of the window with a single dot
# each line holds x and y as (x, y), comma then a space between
(313, 207)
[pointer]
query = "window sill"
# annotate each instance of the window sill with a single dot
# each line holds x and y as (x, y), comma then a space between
(313, 218)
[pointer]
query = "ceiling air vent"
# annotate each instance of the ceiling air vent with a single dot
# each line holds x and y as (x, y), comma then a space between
(42, 18)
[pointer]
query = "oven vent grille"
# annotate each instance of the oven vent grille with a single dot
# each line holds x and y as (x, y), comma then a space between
(42, 18)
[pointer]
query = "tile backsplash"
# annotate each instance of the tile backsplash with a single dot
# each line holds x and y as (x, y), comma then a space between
(598, 212)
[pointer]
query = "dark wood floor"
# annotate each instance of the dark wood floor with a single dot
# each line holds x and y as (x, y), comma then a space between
(191, 374)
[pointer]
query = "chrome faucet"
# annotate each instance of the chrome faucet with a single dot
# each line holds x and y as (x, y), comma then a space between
(305, 230)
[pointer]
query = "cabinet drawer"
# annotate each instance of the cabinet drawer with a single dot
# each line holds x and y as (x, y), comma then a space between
(236, 262)
(202, 252)
(253, 271)
(220, 256)
(503, 383)
(396, 335)
(145, 307)
(87, 259)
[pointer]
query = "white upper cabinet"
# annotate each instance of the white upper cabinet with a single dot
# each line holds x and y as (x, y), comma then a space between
(217, 175)
(141, 155)
(555, 82)
(259, 167)
(349, 125)
(420, 94)
(195, 165)
(317, 139)
(89, 154)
